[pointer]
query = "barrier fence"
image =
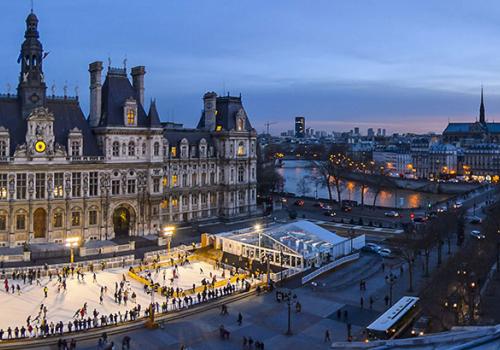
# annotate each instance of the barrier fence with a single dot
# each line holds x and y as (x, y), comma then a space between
(329, 266)
(97, 265)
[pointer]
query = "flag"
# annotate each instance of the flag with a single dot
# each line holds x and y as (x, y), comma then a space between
(45, 54)
(20, 57)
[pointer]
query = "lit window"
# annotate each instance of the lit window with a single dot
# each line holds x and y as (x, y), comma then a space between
(218, 128)
(173, 151)
(174, 180)
(241, 149)
(130, 117)
(58, 219)
(3, 186)
(75, 218)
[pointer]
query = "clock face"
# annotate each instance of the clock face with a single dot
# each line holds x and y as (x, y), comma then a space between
(40, 146)
(34, 98)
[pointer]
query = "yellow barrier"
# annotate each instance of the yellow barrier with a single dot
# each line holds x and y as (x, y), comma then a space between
(199, 289)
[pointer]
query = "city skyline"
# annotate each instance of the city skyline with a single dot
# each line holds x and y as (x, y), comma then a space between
(339, 65)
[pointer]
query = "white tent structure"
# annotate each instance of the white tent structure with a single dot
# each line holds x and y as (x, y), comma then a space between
(299, 244)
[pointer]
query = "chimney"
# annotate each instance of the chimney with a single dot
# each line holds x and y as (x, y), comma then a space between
(95, 70)
(138, 81)
(209, 110)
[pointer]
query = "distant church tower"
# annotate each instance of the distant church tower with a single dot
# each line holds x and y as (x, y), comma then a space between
(482, 118)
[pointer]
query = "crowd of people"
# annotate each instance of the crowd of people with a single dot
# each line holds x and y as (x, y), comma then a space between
(83, 319)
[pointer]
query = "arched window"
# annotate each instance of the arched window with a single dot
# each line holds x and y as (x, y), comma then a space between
(241, 124)
(3, 149)
(156, 149)
(241, 174)
(116, 149)
(241, 149)
(144, 149)
(131, 149)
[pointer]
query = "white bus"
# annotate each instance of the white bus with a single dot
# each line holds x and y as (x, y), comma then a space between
(395, 320)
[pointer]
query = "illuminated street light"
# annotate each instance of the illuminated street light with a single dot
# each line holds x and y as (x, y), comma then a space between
(72, 242)
(168, 233)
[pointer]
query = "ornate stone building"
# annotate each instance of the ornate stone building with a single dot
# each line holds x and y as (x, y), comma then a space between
(119, 172)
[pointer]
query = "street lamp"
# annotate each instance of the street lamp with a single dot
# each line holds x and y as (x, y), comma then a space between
(290, 299)
(168, 233)
(72, 242)
(391, 281)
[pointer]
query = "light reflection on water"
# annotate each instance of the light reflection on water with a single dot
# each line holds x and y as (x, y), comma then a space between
(294, 171)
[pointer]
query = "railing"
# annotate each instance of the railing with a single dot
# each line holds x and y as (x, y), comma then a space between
(119, 261)
(85, 158)
(149, 256)
(62, 98)
(329, 266)
(84, 251)
(290, 272)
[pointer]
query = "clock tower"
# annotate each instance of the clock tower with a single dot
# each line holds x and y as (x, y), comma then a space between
(31, 89)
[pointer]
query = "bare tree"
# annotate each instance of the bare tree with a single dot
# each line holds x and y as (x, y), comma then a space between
(409, 245)
(303, 186)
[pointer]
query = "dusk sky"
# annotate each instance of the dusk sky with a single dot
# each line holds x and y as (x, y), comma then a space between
(400, 65)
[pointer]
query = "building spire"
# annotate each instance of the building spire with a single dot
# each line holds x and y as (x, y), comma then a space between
(482, 118)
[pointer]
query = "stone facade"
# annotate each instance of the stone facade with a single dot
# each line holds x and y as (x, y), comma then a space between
(120, 172)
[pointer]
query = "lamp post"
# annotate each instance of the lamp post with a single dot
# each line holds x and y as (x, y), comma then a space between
(390, 279)
(290, 299)
(72, 242)
(168, 233)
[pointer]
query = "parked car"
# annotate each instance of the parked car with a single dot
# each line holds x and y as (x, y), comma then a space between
(371, 248)
(392, 214)
(386, 253)
(329, 213)
(299, 203)
(346, 208)
(419, 219)
(318, 204)
(326, 207)
(476, 220)
(421, 326)
(458, 204)
(477, 235)
(350, 203)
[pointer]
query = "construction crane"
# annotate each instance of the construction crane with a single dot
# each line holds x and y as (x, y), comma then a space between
(267, 124)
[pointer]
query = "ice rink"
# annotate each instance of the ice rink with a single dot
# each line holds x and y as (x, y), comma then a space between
(62, 306)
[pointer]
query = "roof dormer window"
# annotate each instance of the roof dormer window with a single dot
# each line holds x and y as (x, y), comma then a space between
(130, 112)
(130, 117)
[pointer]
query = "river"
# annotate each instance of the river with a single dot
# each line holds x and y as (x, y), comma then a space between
(294, 170)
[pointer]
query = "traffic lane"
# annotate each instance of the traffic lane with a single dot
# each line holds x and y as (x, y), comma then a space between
(354, 214)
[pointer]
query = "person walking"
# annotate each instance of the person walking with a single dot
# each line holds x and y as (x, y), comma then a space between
(327, 336)
(45, 291)
(126, 343)
(361, 302)
(240, 318)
